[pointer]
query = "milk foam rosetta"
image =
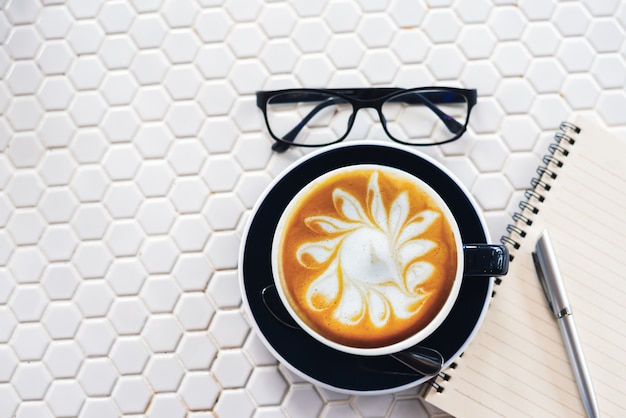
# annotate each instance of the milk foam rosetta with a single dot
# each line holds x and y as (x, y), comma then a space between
(367, 257)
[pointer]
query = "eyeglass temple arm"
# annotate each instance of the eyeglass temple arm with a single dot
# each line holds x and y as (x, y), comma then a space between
(452, 124)
(292, 134)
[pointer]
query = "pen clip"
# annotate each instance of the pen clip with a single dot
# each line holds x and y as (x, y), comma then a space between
(542, 281)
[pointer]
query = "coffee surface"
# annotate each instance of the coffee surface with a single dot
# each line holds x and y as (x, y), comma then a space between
(366, 256)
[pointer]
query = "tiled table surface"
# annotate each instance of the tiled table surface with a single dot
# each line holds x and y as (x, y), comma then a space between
(131, 152)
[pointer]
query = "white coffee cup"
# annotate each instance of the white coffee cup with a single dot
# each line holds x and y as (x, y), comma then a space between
(369, 260)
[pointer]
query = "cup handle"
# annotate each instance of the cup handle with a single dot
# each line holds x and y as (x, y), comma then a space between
(485, 260)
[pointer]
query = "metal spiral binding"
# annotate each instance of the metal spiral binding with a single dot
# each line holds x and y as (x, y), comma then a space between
(547, 172)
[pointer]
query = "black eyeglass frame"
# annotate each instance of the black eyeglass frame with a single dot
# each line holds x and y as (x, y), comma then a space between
(367, 97)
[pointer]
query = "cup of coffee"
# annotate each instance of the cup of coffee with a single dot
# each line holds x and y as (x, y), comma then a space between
(368, 259)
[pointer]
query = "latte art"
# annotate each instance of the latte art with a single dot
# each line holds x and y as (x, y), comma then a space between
(365, 256)
(373, 261)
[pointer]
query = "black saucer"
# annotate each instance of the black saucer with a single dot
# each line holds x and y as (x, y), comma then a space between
(305, 355)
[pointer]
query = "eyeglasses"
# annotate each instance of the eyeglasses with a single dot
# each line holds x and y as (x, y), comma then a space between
(318, 117)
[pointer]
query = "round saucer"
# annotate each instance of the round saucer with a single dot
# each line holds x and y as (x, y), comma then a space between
(303, 354)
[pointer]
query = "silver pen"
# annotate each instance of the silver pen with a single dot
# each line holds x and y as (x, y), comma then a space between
(552, 284)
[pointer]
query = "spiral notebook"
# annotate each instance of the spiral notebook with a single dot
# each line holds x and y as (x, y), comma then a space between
(517, 365)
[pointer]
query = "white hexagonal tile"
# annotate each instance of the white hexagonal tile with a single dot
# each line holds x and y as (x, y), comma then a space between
(303, 400)
(311, 70)
(446, 62)
(60, 281)
(575, 54)
(148, 31)
(25, 150)
(57, 168)
(119, 88)
(22, 12)
(511, 59)
(235, 403)
(182, 82)
(55, 93)
(24, 77)
(607, 8)
(61, 320)
(59, 242)
(229, 328)
(215, 61)
(124, 238)
(223, 211)
(122, 162)
(278, 20)
(441, 25)
(164, 373)
(87, 72)
(65, 398)
(609, 71)
(345, 51)
(128, 315)
(476, 11)
(231, 369)
(546, 75)
(102, 407)
(81, 10)
(246, 41)
(492, 192)
(23, 42)
(92, 259)
(199, 391)
(29, 341)
(122, 200)
(90, 183)
(580, 91)
(605, 36)
(538, 10)
(132, 394)
(90, 221)
(97, 376)
(216, 98)
(222, 172)
(180, 13)
(89, 145)
(8, 324)
(156, 216)
(167, 405)
(187, 157)
(192, 272)
(7, 285)
(31, 380)
(224, 289)
(571, 19)
(95, 337)
(126, 276)
(129, 355)
(153, 141)
(250, 186)
(190, 232)
(185, 119)
(24, 113)
(519, 133)
(149, 67)
(609, 105)
(120, 124)
(55, 58)
(32, 409)
(213, 24)
(476, 41)
(222, 249)
(57, 205)
(188, 194)
(515, 95)
(507, 23)
(117, 52)
(160, 294)
(94, 298)
(54, 22)
(267, 386)
(194, 311)
(151, 103)
(489, 154)
(26, 226)
(56, 130)
(27, 264)
(541, 39)
(162, 333)
(196, 351)
(116, 17)
(481, 75)
(87, 109)
(63, 359)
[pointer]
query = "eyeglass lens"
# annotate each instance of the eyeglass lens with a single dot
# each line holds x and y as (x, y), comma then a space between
(419, 117)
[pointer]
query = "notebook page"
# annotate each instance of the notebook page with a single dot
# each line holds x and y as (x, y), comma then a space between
(517, 365)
